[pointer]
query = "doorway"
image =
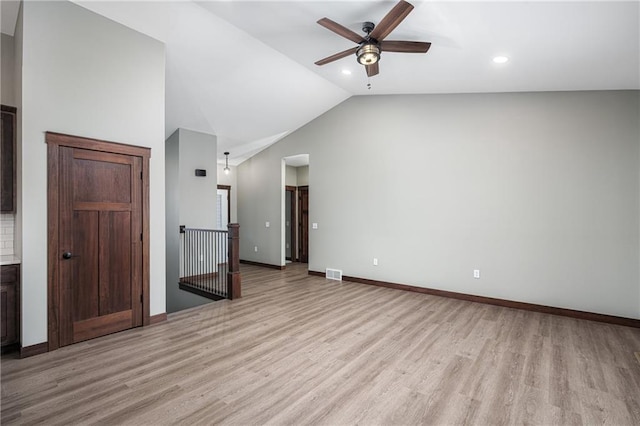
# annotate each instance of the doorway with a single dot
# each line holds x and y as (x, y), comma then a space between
(98, 253)
(223, 206)
(223, 218)
(294, 234)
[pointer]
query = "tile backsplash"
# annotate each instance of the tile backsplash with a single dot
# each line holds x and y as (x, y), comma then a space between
(7, 226)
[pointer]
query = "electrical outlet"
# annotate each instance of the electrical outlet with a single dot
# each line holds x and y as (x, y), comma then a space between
(267, 224)
(375, 261)
(476, 273)
(255, 249)
(314, 226)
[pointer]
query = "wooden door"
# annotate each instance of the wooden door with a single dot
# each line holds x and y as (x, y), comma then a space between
(290, 231)
(303, 217)
(8, 159)
(100, 255)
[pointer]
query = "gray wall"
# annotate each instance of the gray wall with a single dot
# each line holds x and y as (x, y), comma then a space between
(291, 176)
(540, 191)
(191, 201)
(84, 75)
(260, 200)
(7, 80)
(17, 75)
(302, 175)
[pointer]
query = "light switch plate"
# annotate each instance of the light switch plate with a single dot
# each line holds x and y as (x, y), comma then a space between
(314, 226)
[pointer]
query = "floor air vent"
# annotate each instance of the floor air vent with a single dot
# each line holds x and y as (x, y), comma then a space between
(334, 274)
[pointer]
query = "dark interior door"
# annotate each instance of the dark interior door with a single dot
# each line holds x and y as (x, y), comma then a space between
(100, 252)
(291, 252)
(7, 159)
(303, 203)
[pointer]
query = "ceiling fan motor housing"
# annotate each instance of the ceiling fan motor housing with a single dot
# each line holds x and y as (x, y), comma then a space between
(367, 27)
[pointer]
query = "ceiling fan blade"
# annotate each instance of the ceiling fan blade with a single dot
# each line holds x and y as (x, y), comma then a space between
(337, 56)
(372, 69)
(341, 30)
(405, 46)
(391, 20)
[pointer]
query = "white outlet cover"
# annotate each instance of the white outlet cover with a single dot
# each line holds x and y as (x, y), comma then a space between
(267, 224)
(314, 225)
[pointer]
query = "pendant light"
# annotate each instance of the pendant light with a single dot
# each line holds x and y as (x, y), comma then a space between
(226, 163)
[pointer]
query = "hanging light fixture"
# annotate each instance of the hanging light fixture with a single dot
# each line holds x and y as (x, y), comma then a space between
(368, 53)
(226, 163)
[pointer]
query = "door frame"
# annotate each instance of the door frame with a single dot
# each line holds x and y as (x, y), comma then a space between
(228, 189)
(293, 223)
(54, 142)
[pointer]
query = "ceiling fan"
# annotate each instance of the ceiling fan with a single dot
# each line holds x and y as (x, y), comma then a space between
(373, 43)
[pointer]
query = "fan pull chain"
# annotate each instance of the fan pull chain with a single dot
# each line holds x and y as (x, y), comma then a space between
(368, 83)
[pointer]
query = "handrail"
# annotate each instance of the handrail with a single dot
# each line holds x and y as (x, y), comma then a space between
(210, 264)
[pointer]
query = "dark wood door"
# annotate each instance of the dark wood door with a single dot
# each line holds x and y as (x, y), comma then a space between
(303, 217)
(290, 192)
(100, 243)
(8, 159)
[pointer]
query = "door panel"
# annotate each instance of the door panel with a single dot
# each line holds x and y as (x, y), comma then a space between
(84, 267)
(102, 325)
(91, 175)
(100, 230)
(115, 271)
(303, 203)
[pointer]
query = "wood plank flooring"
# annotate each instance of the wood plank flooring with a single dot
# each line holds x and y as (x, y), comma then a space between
(298, 349)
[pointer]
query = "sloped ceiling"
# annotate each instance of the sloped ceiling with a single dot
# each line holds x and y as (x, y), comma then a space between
(243, 70)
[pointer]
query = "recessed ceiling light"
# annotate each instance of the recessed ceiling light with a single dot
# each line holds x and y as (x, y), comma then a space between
(346, 72)
(500, 59)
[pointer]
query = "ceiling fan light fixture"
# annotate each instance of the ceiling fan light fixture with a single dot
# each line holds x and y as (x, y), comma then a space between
(369, 47)
(368, 54)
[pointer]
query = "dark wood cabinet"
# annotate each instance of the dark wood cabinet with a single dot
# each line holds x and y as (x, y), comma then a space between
(8, 160)
(10, 305)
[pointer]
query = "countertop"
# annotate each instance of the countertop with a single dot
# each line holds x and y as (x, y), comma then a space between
(9, 260)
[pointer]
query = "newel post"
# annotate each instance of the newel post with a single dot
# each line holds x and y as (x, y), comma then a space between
(233, 274)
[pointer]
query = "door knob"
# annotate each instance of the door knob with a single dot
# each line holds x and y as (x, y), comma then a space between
(67, 255)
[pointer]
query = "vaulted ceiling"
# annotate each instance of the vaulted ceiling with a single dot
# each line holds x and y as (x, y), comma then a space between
(244, 70)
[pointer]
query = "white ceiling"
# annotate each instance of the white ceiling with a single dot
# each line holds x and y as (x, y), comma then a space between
(243, 70)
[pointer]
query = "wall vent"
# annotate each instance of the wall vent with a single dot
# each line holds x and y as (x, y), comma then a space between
(333, 274)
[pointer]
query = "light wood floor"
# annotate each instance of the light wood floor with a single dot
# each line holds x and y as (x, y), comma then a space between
(302, 350)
